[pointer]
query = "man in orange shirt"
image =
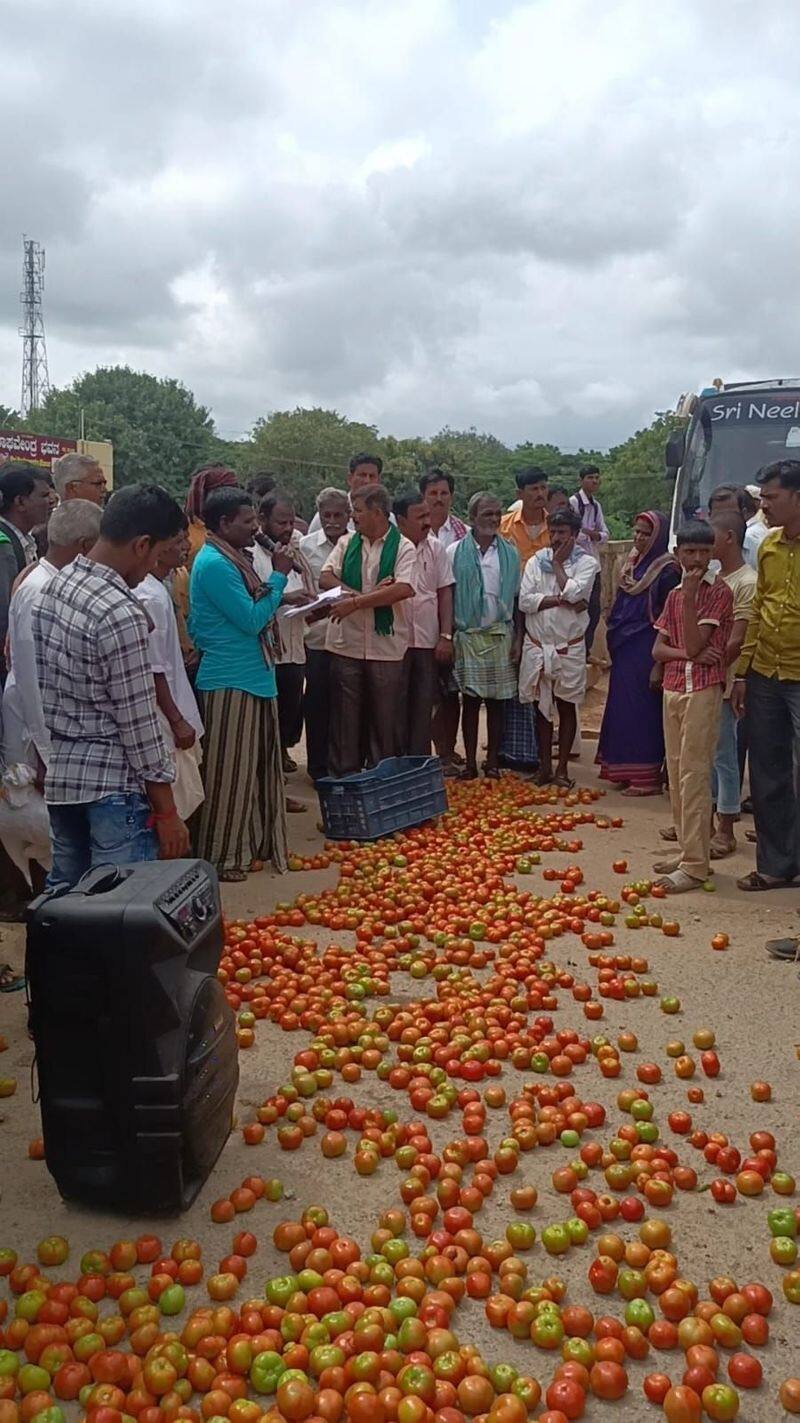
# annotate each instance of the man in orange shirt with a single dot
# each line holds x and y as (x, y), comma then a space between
(526, 525)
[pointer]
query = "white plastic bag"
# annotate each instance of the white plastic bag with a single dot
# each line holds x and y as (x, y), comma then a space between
(24, 822)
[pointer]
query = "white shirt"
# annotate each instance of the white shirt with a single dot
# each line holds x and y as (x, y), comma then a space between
(556, 627)
(433, 570)
(755, 532)
(165, 648)
(490, 572)
(355, 636)
(590, 512)
(316, 524)
(293, 648)
(448, 534)
(317, 548)
(24, 729)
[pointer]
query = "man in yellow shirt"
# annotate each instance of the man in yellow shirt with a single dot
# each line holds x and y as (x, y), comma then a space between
(768, 683)
(526, 524)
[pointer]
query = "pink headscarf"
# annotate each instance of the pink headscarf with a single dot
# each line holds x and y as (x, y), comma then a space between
(203, 482)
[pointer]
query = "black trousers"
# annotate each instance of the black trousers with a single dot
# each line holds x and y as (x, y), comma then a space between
(773, 720)
(317, 710)
(289, 677)
(420, 690)
(366, 699)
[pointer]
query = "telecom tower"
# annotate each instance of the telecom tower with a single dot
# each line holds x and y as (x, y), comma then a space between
(35, 379)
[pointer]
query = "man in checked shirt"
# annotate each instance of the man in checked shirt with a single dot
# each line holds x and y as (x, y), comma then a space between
(108, 785)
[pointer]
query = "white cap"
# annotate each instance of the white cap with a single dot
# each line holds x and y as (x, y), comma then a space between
(754, 490)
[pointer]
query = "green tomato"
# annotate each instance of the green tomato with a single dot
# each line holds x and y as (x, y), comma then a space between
(791, 1286)
(783, 1250)
(632, 1284)
(569, 1138)
(9, 1363)
(782, 1221)
(577, 1351)
(503, 1377)
(540, 1062)
(28, 1305)
(547, 1332)
(556, 1239)
(308, 1280)
(337, 1322)
(720, 1401)
(31, 1378)
(641, 1109)
(280, 1288)
(578, 1230)
(639, 1313)
(402, 1308)
(50, 1415)
(266, 1370)
(172, 1299)
(521, 1234)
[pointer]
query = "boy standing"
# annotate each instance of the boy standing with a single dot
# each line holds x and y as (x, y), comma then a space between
(693, 634)
(729, 529)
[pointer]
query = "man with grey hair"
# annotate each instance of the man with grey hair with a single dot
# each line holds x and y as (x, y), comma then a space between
(72, 529)
(333, 511)
(79, 477)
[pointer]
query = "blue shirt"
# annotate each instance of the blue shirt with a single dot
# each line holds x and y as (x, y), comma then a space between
(225, 622)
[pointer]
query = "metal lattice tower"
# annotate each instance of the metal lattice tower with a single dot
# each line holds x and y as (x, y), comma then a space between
(35, 378)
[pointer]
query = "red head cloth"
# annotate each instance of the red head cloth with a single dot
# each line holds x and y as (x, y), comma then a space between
(203, 482)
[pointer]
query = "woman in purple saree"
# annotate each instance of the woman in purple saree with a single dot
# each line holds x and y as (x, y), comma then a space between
(631, 747)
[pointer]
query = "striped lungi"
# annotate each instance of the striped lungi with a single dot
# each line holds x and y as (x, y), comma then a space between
(243, 817)
(483, 666)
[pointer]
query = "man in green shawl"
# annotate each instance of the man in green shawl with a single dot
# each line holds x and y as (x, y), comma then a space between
(368, 633)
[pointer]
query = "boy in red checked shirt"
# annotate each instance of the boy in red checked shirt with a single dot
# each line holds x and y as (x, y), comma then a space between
(693, 633)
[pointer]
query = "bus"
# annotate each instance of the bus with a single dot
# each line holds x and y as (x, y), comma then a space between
(731, 431)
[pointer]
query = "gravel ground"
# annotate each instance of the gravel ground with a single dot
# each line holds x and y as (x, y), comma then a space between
(750, 1002)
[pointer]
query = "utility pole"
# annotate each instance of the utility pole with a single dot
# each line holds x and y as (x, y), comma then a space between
(35, 378)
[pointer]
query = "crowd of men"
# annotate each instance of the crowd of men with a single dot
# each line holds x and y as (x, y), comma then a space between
(135, 632)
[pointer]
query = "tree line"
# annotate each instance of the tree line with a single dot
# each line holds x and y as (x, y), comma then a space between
(159, 431)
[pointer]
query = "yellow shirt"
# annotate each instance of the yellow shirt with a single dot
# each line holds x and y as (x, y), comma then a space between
(772, 642)
(513, 527)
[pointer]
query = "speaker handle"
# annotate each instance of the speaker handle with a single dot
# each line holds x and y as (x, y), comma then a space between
(101, 879)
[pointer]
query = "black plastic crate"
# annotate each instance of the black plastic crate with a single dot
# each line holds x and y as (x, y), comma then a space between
(400, 792)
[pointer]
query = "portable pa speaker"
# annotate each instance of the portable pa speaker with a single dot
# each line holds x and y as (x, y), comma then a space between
(135, 1042)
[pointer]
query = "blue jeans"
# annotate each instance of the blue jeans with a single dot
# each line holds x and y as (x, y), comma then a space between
(111, 831)
(725, 783)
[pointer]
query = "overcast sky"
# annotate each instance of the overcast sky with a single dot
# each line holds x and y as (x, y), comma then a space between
(544, 219)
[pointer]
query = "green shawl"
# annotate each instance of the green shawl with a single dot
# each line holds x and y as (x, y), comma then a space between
(351, 573)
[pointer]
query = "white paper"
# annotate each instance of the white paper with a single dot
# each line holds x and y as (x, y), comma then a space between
(329, 596)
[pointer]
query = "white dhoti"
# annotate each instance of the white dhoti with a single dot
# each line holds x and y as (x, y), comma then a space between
(548, 672)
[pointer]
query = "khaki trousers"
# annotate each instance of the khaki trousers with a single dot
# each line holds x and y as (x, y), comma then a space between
(691, 728)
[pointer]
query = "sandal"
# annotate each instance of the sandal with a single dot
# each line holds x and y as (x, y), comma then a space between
(10, 980)
(666, 867)
(232, 877)
(564, 783)
(755, 883)
(491, 773)
(295, 807)
(751, 836)
(785, 950)
(670, 834)
(679, 883)
(469, 773)
(543, 778)
(641, 791)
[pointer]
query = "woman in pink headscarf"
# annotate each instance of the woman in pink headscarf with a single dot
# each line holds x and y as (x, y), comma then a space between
(204, 480)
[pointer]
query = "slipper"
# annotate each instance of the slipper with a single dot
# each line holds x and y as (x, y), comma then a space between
(751, 836)
(670, 834)
(543, 778)
(10, 981)
(468, 774)
(666, 867)
(491, 773)
(754, 883)
(642, 791)
(565, 783)
(295, 807)
(232, 877)
(786, 949)
(679, 883)
(721, 849)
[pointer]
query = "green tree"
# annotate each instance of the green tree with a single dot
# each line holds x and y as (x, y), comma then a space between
(305, 450)
(157, 429)
(634, 476)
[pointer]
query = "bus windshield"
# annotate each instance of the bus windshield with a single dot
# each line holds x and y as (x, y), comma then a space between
(731, 437)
